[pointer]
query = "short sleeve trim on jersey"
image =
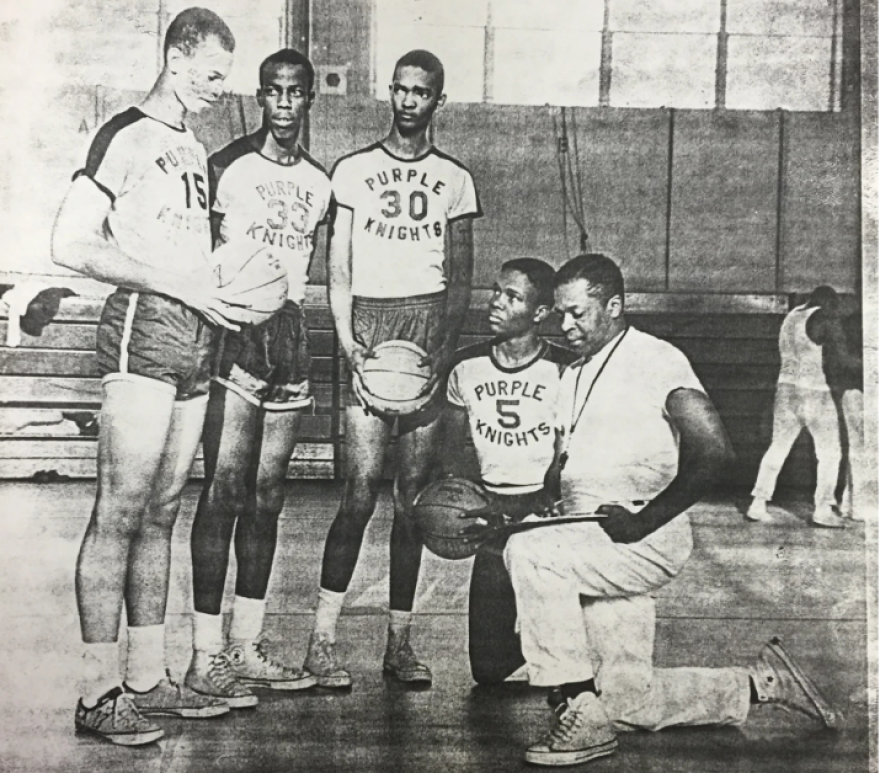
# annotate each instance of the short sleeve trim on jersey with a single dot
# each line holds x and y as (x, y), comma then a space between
(101, 143)
(479, 210)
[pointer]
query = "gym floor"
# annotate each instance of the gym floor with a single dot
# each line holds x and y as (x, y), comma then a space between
(744, 583)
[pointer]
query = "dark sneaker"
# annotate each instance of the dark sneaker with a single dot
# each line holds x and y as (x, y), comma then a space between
(580, 733)
(116, 718)
(321, 663)
(252, 666)
(779, 679)
(168, 698)
(402, 663)
(212, 676)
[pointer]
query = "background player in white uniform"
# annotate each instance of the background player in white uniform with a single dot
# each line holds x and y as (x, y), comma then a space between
(136, 216)
(269, 191)
(400, 265)
(634, 425)
(504, 391)
(804, 401)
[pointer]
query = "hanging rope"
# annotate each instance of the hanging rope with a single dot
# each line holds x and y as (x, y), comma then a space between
(570, 179)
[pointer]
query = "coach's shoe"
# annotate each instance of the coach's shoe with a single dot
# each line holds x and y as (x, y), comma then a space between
(168, 698)
(758, 511)
(321, 663)
(116, 718)
(825, 517)
(580, 733)
(253, 667)
(779, 679)
(402, 663)
(212, 675)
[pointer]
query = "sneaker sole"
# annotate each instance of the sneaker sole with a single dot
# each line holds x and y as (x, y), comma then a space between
(333, 682)
(123, 739)
(287, 685)
(552, 758)
(409, 677)
(828, 714)
(206, 712)
(820, 525)
(239, 702)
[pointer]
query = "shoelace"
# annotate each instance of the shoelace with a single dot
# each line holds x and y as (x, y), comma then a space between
(568, 723)
(221, 672)
(124, 709)
(261, 648)
(323, 650)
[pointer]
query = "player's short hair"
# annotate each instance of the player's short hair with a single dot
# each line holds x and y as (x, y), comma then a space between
(539, 274)
(824, 297)
(287, 56)
(599, 271)
(190, 28)
(427, 62)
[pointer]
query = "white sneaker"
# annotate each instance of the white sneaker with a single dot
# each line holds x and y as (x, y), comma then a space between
(825, 517)
(758, 511)
(212, 674)
(580, 733)
(253, 667)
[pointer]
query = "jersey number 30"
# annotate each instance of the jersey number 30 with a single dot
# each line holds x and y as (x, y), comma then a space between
(418, 204)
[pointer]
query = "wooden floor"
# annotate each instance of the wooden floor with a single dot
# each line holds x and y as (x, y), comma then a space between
(743, 584)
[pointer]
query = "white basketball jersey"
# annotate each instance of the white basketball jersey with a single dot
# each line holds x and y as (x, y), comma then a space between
(266, 204)
(801, 357)
(156, 176)
(511, 413)
(401, 209)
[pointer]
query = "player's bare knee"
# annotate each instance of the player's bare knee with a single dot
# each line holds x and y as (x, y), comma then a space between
(230, 493)
(270, 499)
(361, 493)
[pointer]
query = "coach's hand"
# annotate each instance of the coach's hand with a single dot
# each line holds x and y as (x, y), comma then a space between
(483, 522)
(625, 527)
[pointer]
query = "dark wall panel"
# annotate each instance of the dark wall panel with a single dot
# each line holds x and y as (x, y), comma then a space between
(724, 200)
(820, 223)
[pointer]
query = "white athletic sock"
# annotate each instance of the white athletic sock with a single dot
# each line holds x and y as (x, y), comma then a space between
(207, 632)
(146, 656)
(399, 622)
(327, 613)
(100, 670)
(247, 618)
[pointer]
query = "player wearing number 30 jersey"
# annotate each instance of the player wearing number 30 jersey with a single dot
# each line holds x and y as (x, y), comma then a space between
(401, 208)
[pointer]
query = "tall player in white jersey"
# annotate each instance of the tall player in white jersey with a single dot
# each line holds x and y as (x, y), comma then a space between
(136, 216)
(810, 334)
(400, 265)
(267, 192)
(504, 391)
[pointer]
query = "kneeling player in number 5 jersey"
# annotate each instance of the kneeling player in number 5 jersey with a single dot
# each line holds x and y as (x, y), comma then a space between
(401, 260)
(504, 390)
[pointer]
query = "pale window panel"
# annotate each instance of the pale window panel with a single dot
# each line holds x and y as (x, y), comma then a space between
(537, 67)
(256, 25)
(459, 48)
(781, 17)
(663, 70)
(463, 13)
(764, 73)
(665, 15)
(575, 15)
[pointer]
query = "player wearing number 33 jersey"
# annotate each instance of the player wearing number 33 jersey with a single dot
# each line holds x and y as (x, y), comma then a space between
(400, 213)
(270, 204)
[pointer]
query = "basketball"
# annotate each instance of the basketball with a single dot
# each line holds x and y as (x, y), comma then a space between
(254, 282)
(437, 510)
(395, 377)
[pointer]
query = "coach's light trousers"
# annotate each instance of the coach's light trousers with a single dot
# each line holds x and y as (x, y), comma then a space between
(585, 612)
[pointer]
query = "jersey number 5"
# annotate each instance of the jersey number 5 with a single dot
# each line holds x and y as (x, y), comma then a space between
(418, 204)
(198, 184)
(507, 418)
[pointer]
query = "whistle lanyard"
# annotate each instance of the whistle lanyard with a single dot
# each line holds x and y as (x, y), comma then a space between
(563, 458)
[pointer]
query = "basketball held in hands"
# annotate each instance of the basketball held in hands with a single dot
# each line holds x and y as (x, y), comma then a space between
(253, 282)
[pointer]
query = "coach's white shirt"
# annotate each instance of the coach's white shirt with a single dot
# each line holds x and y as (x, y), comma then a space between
(623, 448)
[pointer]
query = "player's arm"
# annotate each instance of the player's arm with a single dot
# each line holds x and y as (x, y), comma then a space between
(553, 476)
(79, 243)
(704, 451)
(826, 330)
(460, 273)
(339, 279)
(453, 436)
